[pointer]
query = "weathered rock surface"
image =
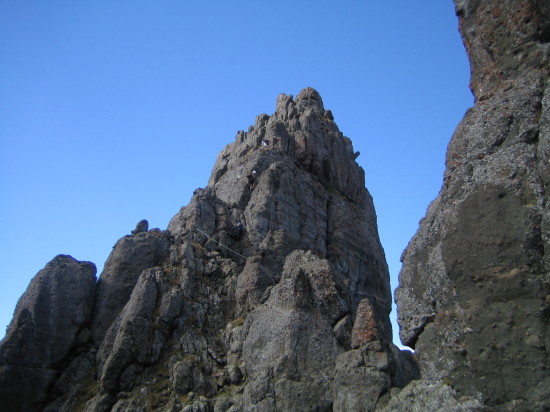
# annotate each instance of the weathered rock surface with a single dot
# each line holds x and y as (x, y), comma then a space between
(298, 290)
(308, 193)
(130, 256)
(53, 310)
(269, 291)
(420, 396)
(474, 292)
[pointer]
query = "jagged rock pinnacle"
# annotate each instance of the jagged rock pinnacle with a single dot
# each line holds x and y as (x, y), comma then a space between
(309, 191)
(269, 291)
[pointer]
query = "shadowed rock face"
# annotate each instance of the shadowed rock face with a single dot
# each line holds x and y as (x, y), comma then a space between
(269, 291)
(474, 289)
(53, 309)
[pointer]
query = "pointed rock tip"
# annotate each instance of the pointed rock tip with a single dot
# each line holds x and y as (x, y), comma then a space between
(310, 94)
(142, 226)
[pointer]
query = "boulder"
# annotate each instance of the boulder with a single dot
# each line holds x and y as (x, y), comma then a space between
(142, 226)
(56, 305)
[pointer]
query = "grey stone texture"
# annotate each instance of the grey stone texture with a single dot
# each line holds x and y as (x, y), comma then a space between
(142, 226)
(55, 307)
(298, 272)
(269, 291)
(474, 290)
(130, 256)
(421, 396)
(253, 297)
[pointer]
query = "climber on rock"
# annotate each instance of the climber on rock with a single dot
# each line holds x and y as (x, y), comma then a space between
(239, 229)
(252, 180)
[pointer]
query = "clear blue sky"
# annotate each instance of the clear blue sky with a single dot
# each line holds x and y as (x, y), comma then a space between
(111, 112)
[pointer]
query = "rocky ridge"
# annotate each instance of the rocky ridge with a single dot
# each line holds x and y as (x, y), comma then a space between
(257, 297)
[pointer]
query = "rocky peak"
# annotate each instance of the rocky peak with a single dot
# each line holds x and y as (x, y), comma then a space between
(301, 132)
(310, 98)
(306, 189)
(268, 291)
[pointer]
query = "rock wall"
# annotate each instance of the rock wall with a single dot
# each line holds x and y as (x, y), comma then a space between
(269, 291)
(474, 292)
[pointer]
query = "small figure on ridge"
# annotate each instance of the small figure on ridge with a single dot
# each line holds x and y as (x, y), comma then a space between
(252, 180)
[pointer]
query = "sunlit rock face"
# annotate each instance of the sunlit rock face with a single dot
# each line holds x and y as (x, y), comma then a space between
(312, 252)
(268, 292)
(474, 292)
(309, 194)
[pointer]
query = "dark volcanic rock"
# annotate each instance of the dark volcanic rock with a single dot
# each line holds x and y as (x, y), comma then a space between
(56, 305)
(258, 287)
(474, 289)
(270, 290)
(310, 192)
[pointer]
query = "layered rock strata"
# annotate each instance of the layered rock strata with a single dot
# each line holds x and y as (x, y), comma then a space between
(269, 291)
(474, 293)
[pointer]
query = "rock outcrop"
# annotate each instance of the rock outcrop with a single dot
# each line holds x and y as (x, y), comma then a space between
(474, 293)
(130, 256)
(44, 330)
(269, 291)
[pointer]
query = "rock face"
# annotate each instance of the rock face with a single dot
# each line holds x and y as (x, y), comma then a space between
(269, 291)
(474, 292)
(130, 256)
(43, 331)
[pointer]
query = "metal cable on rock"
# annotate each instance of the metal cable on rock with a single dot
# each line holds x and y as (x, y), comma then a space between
(222, 245)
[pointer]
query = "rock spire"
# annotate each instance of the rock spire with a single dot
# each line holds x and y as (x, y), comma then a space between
(268, 291)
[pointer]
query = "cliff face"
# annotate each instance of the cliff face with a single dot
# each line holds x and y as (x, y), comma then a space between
(474, 293)
(269, 291)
